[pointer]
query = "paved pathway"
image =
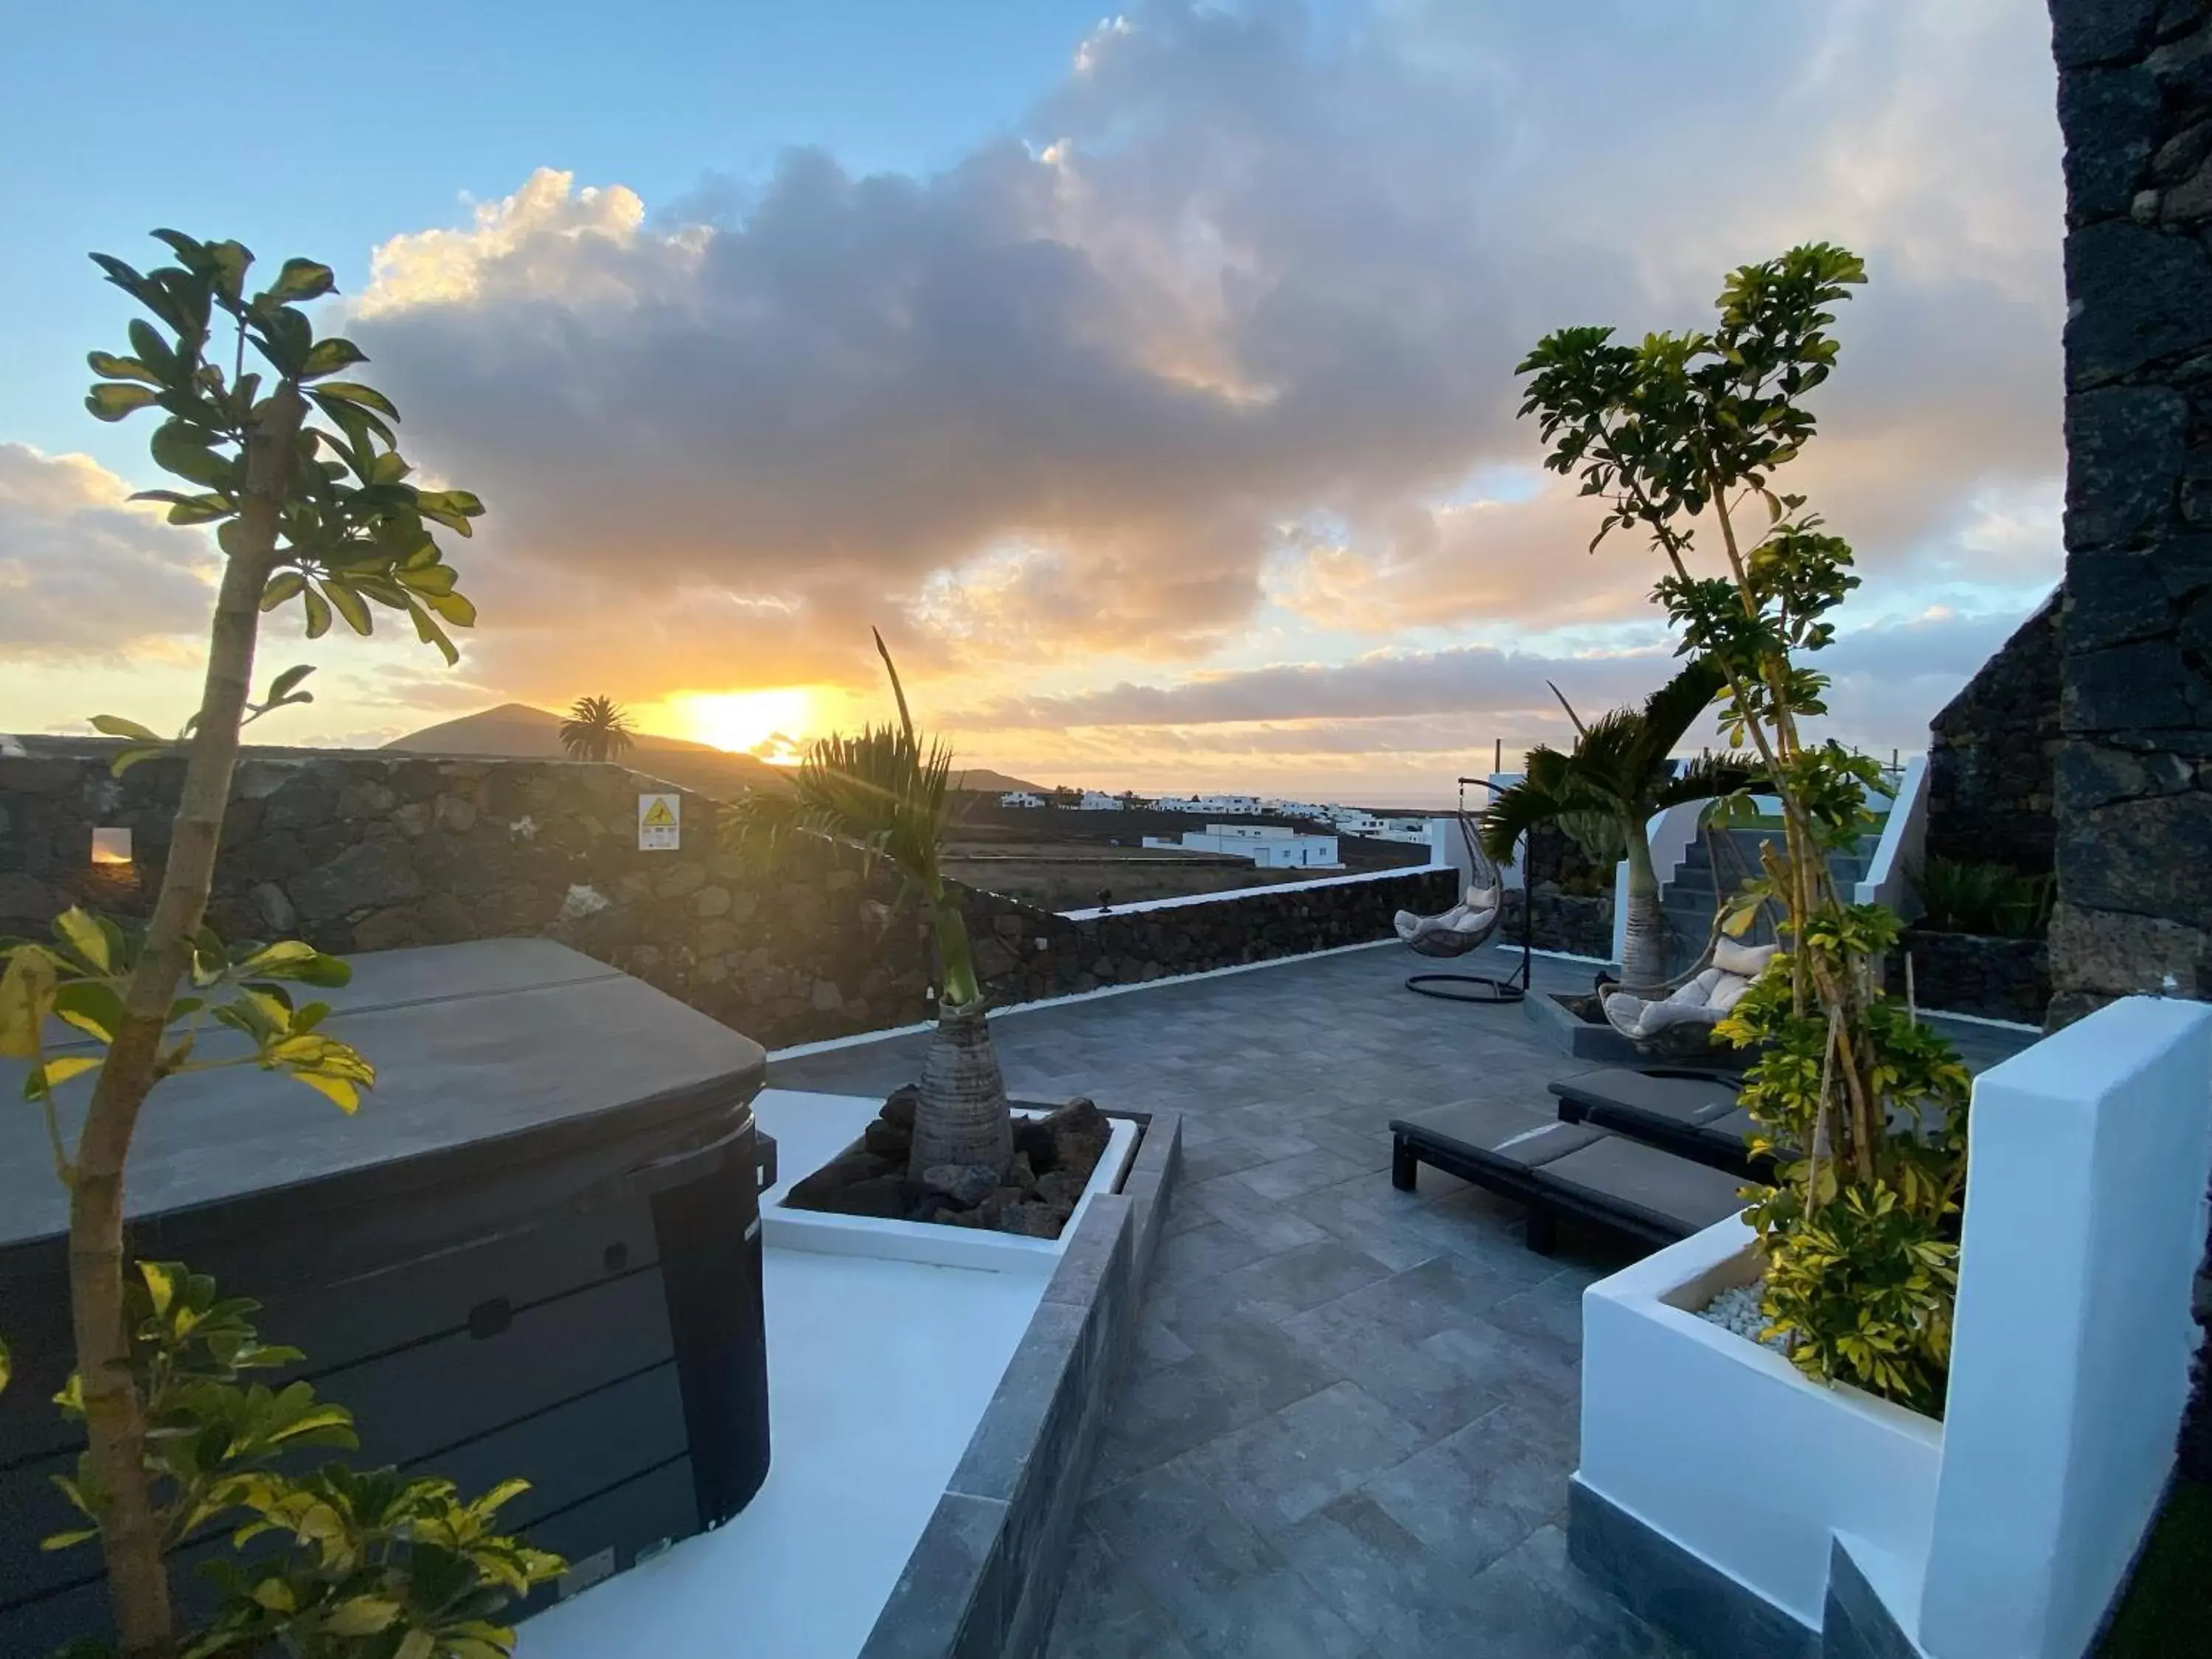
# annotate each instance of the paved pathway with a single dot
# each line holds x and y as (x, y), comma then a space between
(1348, 1429)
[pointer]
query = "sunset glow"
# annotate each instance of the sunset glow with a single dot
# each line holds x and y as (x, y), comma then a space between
(744, 722)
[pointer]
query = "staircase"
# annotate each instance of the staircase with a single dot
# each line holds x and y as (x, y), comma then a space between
(1691, 898)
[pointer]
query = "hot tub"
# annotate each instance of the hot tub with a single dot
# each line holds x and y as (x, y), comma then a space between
(534, 1251)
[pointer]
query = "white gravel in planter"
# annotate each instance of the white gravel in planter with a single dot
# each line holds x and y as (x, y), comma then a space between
(1737, 1310)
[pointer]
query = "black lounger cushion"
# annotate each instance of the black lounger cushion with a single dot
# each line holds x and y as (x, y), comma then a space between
(1626, 1097)
(1667, 1193)
(1502, 1133)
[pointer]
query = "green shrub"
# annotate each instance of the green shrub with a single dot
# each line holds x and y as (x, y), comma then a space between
(335, 1564)
(1975, 895)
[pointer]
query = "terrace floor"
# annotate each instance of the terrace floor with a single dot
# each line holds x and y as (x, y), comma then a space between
(1347, 1429)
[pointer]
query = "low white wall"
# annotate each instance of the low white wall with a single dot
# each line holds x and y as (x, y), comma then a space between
(1724, 1447)
(1904, 835)
(2069, 1371)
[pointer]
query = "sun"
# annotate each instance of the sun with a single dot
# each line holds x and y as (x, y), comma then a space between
(747, 721)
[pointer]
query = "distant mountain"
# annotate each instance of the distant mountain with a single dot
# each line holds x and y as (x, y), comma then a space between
(517, 730)
(984, 781)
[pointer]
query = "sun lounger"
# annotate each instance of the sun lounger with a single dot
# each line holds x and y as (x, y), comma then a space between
(1690, 1113)
(1562, 1169)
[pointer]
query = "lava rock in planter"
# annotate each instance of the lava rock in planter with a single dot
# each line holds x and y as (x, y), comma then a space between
(833, 1178)
(965, 1184)
(886, 1195)
(1079, 1133)
(888, 1141)
(1033, 1140)
(899, 1107)
(1036, 1220)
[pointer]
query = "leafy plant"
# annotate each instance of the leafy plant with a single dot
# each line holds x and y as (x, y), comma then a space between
(1973, 895)
(301, 475)
(1603, 792)
(888, 791)
(345, 1563)
(1865, 1111)
(596, 730)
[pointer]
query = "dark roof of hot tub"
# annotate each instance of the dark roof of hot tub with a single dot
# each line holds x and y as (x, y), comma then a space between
(490, 1055)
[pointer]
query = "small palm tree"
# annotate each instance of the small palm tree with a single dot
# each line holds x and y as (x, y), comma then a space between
(1604, 791)
(596, 730)
(889, 793)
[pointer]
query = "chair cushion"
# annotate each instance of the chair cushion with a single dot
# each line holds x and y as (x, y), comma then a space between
(1625, 1176)
(1745, 961)
(1502, 1132)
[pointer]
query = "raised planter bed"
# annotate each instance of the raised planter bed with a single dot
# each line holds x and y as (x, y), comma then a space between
(1715, 1477)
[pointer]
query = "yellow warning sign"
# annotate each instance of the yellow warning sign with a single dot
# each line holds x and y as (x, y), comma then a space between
(660, 823)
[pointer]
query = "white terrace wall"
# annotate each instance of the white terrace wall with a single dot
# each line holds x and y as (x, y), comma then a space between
(364, 850)
(2085, 1214)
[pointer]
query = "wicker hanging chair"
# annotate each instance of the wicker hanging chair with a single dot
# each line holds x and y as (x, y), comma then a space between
(1467, 927)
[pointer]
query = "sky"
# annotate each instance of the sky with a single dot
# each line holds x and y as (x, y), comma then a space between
(1147, 380)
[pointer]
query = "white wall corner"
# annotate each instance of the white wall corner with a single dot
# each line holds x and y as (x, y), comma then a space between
(2090, 1154)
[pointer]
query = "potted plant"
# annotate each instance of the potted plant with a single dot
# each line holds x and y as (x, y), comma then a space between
(887, 792)
(1748, 1457)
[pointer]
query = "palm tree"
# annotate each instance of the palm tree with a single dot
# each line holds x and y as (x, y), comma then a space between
(1604, 791)
(596, 730)
(889, 793)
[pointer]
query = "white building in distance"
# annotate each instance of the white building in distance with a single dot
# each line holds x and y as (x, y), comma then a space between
(1021, 798)
(1097, 801)
(1268, 847)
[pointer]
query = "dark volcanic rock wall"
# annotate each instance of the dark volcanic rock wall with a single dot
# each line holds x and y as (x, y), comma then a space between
(371, 851)
(2134, 773)
(1992, 753)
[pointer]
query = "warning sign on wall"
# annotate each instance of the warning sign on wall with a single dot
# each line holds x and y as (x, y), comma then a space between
(660, 823)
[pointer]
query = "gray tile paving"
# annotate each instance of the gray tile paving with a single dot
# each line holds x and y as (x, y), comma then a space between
(1351, 1413)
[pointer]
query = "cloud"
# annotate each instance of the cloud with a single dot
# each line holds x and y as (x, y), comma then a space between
(1889, 681)
(1226, 329)
(86, 573)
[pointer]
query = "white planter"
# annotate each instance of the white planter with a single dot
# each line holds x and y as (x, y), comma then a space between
(1722, 1447)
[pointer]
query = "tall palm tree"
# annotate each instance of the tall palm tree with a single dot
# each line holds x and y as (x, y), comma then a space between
(1604, 791)
(888, 791)
(596, 730)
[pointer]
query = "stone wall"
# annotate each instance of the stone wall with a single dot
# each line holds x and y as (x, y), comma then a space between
(370, 850)
(1993, 751)
(2134, 793)
(1575, 923)
(1976, 973)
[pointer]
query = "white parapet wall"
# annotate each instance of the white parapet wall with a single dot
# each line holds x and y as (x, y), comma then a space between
(1724, 1448)
(2005, 1531)
(2085, 1224)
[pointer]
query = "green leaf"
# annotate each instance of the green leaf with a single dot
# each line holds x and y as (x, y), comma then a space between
(302, 279)
(330, 355)
(115, 726)
(453, 608)
(7, 1365)
(82, 935)
(318, 614)
(339, 1091)
(350, 391)
(63, 1541)
(179, 448)
(284, 585)
(350, 605)
(112, 400)
(129, 758)
(428, 631)
(93, 1007)
(44, 1080)
(282, 686)
(364, 1615)
(121, 369)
